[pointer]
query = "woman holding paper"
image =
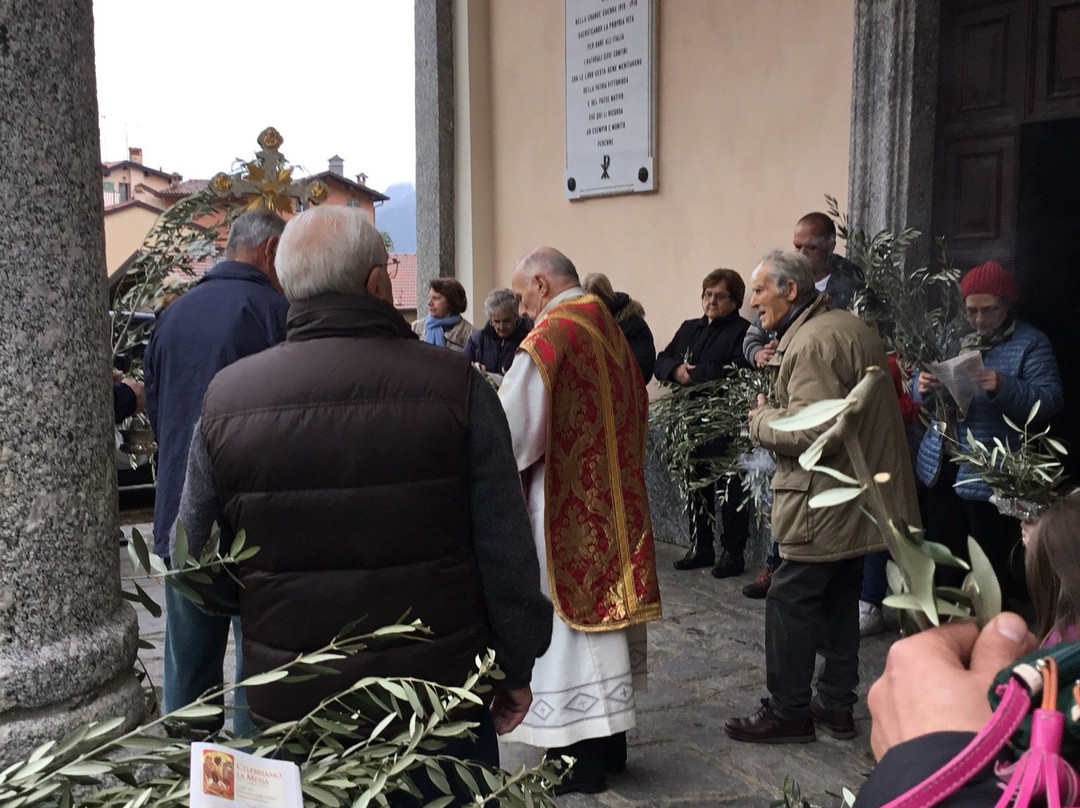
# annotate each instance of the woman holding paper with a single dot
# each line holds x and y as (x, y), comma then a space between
(1018, 369)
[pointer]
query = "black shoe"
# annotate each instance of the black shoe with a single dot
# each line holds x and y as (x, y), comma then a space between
(587, 776)
(766, 726)
(728, 566)
(695, 558)
(838, 723)
(759, 587)
(615, 753)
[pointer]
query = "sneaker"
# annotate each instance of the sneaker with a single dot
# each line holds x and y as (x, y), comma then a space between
(871, 621)
(759, 588)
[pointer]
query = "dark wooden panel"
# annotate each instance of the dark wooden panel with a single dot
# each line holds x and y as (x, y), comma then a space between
(983, 72)
(1057, 58)
(977, 196)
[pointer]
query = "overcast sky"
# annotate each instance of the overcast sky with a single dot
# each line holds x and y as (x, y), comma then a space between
(193, 82)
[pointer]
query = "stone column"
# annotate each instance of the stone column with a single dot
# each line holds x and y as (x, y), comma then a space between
(434, 25)
(893, 106)
(67, 640)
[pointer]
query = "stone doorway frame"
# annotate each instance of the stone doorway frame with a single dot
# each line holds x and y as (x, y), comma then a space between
(894, 89)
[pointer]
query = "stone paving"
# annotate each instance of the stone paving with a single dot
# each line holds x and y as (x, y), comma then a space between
(706, 663)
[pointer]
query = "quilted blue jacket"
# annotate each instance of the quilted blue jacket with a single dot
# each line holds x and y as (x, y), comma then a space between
(1029, 373)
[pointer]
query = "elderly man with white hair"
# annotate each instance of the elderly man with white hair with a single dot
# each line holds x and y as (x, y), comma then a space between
(375, 474)
(813, 602)
(578, 414)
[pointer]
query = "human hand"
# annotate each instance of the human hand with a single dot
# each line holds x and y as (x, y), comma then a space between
(927, 382)
(682, 373)
(508, 708)
(937, 680)
(761, 402)
(765, 353)
(117, 375)
(989, 380)
(139, 391)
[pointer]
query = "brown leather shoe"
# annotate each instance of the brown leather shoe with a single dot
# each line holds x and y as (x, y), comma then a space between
(765, 726)
(838, 723)
(759, 587)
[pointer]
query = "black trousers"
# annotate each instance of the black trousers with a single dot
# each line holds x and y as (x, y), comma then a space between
(734, 523)
(950, 519)
(812, 609)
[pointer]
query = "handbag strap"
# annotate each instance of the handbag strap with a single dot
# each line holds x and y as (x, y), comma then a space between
(983, 748)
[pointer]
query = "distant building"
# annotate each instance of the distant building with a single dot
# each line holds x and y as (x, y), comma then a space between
(402, 269)
(135, 196)
(130, 192)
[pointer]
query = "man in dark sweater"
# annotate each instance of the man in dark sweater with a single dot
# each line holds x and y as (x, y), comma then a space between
(236, 310)
(375, 474)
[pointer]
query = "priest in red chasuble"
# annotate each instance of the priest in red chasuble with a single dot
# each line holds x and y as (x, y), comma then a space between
(578, 415)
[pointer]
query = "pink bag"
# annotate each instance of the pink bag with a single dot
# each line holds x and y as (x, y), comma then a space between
(1040, 772)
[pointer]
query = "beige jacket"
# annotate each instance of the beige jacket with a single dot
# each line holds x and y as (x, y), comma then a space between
(823, 355)
(455, 337)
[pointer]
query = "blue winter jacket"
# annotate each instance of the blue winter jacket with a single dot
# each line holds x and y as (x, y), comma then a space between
(1029, 373)
(232, 312)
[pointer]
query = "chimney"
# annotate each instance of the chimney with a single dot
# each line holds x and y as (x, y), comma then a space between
(337, 166)
(361, 178)
(135, 154)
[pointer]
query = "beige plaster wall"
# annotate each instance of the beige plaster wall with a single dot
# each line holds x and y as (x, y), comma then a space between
(125, 231)
(754, 110)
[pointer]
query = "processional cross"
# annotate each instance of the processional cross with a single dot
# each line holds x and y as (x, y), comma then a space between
(266, 182)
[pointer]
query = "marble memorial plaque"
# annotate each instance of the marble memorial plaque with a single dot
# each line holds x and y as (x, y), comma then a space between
(610, 97)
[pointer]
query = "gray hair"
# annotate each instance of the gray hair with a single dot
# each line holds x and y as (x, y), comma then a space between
(549, 261)
(784, 267)
(328, 249)
(499, 299)
(251, 229)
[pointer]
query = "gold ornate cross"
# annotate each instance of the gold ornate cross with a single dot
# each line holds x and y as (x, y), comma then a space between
(266, 181)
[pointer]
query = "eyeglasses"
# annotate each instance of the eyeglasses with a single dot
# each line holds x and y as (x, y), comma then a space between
(973, 312)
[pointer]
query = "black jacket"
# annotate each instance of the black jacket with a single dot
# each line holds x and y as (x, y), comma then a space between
(493, 352)
(630, 317)
(712, 347)
(909, 764)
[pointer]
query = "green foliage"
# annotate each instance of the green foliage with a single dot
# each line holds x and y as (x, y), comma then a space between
(356, 748)
(692, 416)
(791, 796)
(1026, 474)
(918, 313)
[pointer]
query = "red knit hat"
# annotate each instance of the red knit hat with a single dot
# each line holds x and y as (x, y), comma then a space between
(990, 278)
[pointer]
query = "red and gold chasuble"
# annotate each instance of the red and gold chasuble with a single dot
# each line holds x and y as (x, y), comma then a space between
(601, 563)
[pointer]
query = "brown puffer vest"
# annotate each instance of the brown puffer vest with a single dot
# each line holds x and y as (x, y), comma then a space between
(343, 454)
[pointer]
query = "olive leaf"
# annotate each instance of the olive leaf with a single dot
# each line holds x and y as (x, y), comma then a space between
(835, 496)
(812, 415)
(981, 584)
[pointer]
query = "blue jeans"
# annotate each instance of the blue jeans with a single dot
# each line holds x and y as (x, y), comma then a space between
(195, 644)
(875, 583)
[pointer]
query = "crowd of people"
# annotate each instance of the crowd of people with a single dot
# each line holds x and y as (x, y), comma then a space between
(379, 473)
